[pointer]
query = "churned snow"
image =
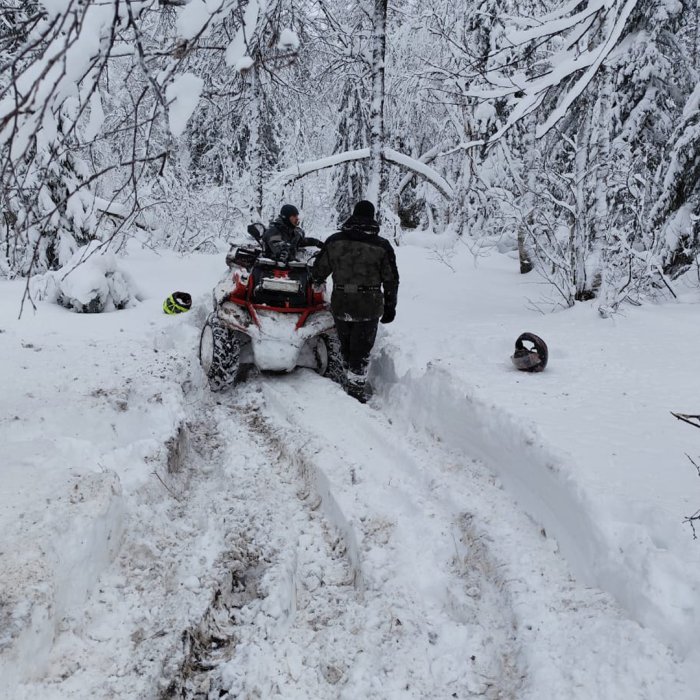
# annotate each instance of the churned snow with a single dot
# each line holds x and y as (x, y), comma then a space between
(473, 531)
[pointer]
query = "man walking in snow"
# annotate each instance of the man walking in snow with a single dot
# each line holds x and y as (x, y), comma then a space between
(365, 289)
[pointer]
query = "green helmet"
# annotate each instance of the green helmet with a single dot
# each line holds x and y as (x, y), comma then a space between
(177, 303)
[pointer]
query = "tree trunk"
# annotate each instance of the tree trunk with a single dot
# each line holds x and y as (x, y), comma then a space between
(601, 174)
(581, 240)
(530, 182)
(256, 156)
(377, 176)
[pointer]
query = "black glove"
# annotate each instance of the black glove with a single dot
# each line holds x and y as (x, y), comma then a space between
(283, 254)
(389, 315)
(310, 242)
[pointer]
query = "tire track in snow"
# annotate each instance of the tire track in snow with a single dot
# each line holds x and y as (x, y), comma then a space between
(577, 641)
(208, 552)
(187, 537)
(537, 631)
(303, 585)
(437, 623)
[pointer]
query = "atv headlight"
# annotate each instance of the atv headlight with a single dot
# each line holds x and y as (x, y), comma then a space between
(279, 284)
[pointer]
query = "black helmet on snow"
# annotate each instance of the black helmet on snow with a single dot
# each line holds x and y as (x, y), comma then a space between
(530, 359)
(177, 302)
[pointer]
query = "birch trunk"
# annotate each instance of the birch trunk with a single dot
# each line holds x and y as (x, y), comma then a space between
(377, 175)
(579, 240)
(256, 159)
(530, 182)
(602, 236)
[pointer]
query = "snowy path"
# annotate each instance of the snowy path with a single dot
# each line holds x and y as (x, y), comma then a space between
(441, 543)
(309, 547)
(345, 607)
(390, 567)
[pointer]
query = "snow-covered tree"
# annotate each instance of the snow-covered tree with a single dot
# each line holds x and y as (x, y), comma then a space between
(352, 133)
(676, 215)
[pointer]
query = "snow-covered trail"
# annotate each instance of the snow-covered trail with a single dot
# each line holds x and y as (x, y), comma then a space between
(308, 546)
(337, 613)
(311, 547)
(303, 545)
(241, 574)
(487, 605)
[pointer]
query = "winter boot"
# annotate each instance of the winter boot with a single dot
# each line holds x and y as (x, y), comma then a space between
(356, 386)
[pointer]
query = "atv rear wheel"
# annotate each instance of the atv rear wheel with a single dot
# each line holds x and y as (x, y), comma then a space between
(329, 361)
(219, 354)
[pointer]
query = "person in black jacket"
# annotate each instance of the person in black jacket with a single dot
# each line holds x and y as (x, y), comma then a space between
(283, 237)
(365, 289)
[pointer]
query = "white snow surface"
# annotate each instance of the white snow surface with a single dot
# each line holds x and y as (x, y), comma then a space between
(238, 48)
(244, 63)
(472, 532)
(192, 18)
(288, 39)
(182, 95)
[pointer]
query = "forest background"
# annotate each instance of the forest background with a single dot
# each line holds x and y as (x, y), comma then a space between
(568, 131)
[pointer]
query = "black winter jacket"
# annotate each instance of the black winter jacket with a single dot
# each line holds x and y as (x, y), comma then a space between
(282, 239)
(363, 265)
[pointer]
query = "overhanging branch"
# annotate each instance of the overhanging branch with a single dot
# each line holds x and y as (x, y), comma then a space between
(313, 166)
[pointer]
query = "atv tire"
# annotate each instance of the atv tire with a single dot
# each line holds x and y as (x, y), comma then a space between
(329, 361)
(219, 354)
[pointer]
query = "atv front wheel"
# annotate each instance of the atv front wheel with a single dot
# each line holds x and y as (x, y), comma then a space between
(219, 354)
(329, 361)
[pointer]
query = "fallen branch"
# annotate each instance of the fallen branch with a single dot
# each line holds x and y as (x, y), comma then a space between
(167, 488)
(691, 520)
(693, 420)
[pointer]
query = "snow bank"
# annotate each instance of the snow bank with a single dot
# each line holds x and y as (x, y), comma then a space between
(62, 535)
(622, 559)
(87, 407)
(588, 447)
(91, 282)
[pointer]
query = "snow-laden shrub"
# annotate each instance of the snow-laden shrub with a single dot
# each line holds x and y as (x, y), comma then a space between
(91, 282)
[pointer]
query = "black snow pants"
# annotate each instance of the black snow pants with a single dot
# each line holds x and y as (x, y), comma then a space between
(356, 342)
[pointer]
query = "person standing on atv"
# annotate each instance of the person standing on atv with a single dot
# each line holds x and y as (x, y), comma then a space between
(283, 237)
(365, 289)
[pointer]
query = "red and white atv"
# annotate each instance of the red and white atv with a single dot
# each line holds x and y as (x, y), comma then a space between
(268, 315)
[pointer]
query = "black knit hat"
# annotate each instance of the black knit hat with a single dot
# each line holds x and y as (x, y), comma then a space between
(364, 209)
(288, 210)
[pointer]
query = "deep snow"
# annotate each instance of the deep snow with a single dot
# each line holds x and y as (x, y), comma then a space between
(473, 531)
